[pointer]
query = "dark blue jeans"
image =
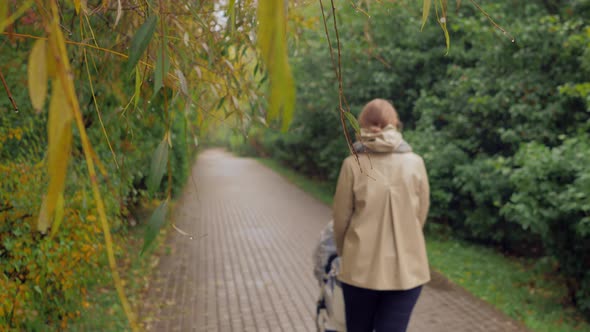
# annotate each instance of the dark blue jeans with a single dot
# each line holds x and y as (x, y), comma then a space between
(380, 311)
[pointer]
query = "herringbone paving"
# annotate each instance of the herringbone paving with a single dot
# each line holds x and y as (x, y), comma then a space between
(246, 264)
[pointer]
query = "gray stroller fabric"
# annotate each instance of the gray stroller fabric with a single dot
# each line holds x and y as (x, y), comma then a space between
(325, 257)
(330, 304)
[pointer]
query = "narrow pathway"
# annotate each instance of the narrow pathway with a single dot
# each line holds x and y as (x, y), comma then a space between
(247, 266)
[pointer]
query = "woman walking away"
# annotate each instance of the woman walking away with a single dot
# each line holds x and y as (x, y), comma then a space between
(380, 207)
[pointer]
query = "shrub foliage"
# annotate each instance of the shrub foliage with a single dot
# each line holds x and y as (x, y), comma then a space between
(502, 124)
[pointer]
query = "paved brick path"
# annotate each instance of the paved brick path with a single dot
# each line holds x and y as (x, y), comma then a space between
(246, 265)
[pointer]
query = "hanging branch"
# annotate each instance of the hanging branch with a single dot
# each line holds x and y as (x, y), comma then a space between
(496, 25)
(329, 41)
(343, 107)
(338, 70)
(8, 92)
(166, 106)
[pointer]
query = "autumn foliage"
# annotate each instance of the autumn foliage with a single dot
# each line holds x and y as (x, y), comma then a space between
(107, 101)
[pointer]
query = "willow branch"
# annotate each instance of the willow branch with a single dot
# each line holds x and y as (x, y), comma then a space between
(489, 17)
(71, 42)
(340, 84)
(8, 92)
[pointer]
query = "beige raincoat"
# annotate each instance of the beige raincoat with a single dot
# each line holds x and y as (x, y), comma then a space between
(379, 211)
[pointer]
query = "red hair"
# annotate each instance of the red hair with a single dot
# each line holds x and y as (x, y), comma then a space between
(378, 114)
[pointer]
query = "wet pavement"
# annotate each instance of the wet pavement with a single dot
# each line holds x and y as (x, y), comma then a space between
(246, 264)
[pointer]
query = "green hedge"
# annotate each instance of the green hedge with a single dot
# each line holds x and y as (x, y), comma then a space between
(501, 125)
(552, 200)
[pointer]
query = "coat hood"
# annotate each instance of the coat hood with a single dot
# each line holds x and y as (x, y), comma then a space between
(389, 139)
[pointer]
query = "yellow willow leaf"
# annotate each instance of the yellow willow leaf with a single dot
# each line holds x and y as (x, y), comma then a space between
(272, 41)
(442, 21)
(77, 5)
(282, 92)
(447, 37)
(59, 136)
(64, 78)
(425, 11)
(267, 16)
(44, 221)
(59, 141)
(50, 64)
(37, 74)
(57, 46)
(3, 14)
(59, 214)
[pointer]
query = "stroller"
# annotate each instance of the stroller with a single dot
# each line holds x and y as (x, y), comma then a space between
(330, 314)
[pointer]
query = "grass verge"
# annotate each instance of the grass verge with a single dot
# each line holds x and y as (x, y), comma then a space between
(102, 311)
(524, 289)
(322, 191)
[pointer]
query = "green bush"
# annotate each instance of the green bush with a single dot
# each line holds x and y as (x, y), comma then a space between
(442, 157)
(552, 200)
(487, 118)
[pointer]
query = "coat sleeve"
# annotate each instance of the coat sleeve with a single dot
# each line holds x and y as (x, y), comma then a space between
(343, 206)
(424, 195)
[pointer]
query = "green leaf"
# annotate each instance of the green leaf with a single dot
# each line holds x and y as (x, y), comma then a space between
(221, 101)
(425, 11)
(158, 166)
(442, 20)
(447, 37)
(244, 50)
(162, 68)
(228, 114)
(137, 86)
(352, 119)
(141, 40)
(154, 225)
(232, 15)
